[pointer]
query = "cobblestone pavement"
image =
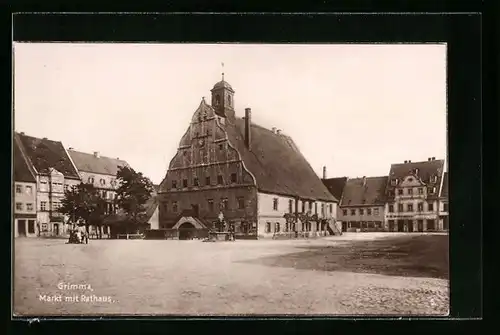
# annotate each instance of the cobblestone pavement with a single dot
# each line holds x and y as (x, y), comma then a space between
(190, 277)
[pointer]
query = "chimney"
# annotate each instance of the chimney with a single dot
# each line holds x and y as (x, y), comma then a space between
(429, 159)
(278, 131)
(248, 123)
(70, 148)
(324, 172)
(433, 158)
(22, 133)
(96, 154)
(409, 161)
(273, 129)
(364, 180)
(45, 138)
(406, 162)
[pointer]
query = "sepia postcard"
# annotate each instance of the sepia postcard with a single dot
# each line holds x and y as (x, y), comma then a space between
(230, 179)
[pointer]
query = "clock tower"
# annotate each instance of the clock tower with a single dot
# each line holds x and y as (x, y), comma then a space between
(223, 99)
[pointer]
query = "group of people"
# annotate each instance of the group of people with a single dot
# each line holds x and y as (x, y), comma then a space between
(78, 236)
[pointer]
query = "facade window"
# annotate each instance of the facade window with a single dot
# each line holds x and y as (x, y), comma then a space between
(221, 146)
(184, 183)
(369, 211)
(353, 212)
(224, 204)
(277, 227)
(310, 206)
(361, 211)
(331, 208)
(400, 208)
(430, 190)
(316, 208)
(174, 207)
(29, 206)
(391, 208)
(410, 191)
(19, 189)
(19, 206)
(29, 190)
(66, 188)
(303, 206)
(220, 180)
(420, 207)
(394, 182)
(430, 206)
(241, 203)
(375, 211)
(233, 177)
(207, 180)
(430, 225)
(445, 207)
(184, 153)
(45, 182)
(90, 180)
(43, 205)
(275, 204)
(211, 205)
(31, 226)
(290, 206)
(344, 211)
(400, 191)
(410, 207)
(165, 206)
(103, 182)
(196, 182)
(268, 227)
(174, 183)
(420, 190)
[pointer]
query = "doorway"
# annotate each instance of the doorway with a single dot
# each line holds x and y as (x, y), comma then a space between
(420, 224)
(391, 225)
(401, 225)
(187, 231)
(344, 226)
(21, 227)
(56, 228)
(410, 226)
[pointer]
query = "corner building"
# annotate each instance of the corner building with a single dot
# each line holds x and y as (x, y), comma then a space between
(253, 176)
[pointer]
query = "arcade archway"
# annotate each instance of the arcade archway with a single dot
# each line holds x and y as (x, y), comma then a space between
(186, 231)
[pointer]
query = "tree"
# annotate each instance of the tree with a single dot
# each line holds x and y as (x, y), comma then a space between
(83, 202)
(132, 194)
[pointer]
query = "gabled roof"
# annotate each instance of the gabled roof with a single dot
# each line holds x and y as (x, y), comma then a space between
(364, 191)
(21, 170)
(426, 170)
(96, 164)
(45, 154)
(335, 186)
(276, 163)
(444, 190)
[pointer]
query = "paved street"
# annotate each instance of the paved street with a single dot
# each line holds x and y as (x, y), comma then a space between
(366, 273)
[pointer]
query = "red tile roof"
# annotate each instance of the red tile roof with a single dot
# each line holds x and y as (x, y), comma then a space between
(45, 154)
(91, 163)
(21, 170)
(364, 191)
(335, 186)
(277, 163)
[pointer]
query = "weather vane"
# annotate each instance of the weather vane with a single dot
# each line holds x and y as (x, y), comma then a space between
(222, 71)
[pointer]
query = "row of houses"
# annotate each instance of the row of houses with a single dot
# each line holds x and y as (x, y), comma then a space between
(43, 169)
(229, 167)
(413, 197)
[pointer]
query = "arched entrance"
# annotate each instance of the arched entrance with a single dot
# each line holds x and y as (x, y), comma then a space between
(186, 231)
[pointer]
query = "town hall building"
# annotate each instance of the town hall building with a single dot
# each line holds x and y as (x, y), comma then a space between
(228, 167)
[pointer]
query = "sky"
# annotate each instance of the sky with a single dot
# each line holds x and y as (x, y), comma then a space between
(354, 108)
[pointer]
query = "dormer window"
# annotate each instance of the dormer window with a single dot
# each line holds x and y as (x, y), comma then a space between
(433, 179)
(229, 100)
(217, 100)
(394, 182)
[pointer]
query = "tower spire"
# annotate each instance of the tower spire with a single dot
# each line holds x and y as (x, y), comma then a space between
(222, 71)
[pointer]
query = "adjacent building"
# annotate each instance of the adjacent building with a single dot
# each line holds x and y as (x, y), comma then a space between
(54, 172)
(100, 171)
(24, 204)
(229, 167)
(362, 204)
(414, 196)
